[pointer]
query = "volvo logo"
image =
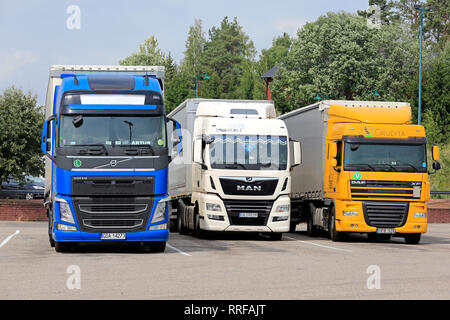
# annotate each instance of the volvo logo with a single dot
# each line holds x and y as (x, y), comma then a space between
(248, 188)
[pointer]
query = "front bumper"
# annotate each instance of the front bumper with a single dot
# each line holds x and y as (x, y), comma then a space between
(78, 236)
(209, 224)
(359, 224)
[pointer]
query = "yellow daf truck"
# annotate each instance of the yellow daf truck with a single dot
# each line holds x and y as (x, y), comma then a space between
(364, 170)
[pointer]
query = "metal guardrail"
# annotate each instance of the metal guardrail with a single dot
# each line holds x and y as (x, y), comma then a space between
(440, 194)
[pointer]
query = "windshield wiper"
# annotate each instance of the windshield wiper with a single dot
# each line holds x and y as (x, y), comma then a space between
(235, 166)
(386, 164)
(134, 150)
(409, 165)
(91, 150)
(359, 165)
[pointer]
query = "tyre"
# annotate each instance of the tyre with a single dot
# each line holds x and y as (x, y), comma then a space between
(198, 232)
(180, 213)
(334, 235)
(292, 227)
(156, 246)
(50, 231)
(311, 229)
(413, 238)
(276, 236)
(63, 246)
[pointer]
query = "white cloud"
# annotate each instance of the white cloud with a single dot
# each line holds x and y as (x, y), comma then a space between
(13, 60)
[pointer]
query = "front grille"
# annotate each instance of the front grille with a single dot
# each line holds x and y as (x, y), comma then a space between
(374, 189)
(385, 214)
(117, 208)
(113, 223)
(262, 208)
(100, 214)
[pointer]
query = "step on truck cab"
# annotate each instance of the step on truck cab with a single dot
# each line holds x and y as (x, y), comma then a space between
(364, 169)
(233, 173)
(107, 156)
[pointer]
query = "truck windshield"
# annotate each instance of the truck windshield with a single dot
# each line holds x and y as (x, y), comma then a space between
(385, 157)
(249, 152)
(112, 131)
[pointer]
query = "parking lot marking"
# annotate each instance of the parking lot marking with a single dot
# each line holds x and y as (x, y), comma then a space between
(319, 245)
(178, 250)
(9, 238)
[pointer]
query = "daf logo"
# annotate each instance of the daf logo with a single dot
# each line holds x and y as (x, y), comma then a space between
(113, 163)
(248, 188)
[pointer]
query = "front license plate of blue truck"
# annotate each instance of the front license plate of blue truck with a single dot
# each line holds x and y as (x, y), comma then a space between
(114, 236)
(385, 230)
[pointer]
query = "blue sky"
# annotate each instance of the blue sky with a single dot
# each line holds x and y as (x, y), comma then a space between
(34, 34)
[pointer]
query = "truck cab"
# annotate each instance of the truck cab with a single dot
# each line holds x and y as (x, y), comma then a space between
(239, 177)
(106, 142)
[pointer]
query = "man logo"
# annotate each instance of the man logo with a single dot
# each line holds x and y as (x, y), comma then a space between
(249, 179)
(248, 188)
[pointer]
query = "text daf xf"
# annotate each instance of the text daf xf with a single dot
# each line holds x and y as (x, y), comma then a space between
(106, 144)
(364, 169)
(233, 173)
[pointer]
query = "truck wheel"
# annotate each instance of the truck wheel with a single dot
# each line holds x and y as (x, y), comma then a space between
(311, 229)
(198, 232)
(156, 246)
(50, 236)
(180, 213)
(413, 238)
(275, 236)
(63, 246)
(292, 227)
(334, 235)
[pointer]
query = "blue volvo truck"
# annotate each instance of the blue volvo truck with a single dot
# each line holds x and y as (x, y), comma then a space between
(106, 170)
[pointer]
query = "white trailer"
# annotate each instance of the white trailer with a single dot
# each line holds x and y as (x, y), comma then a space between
(233, 173)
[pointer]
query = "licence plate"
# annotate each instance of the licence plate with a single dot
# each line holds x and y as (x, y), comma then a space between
(114, 236)
(248, 214)
(386, 230)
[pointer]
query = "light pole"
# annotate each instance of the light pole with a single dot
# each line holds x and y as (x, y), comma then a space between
(422, 9)
(203, 76)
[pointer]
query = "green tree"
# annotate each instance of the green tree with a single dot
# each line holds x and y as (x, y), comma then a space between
(339, 56)
(435, 96)
(227, 48)
(149, 55)
(20, 135)
(436, 22)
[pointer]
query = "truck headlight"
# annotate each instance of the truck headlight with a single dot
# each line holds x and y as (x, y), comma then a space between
(160, 212)
(213, 207)
(281, 218)
(215, 217)
(420, 215)
(283, 208)
(350, 213)
(64, 211)
(65, 227)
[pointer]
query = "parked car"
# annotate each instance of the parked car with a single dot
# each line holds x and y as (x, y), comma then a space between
(28, 188)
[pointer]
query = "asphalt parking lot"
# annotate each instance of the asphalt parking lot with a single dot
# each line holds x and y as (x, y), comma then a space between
(227, 267)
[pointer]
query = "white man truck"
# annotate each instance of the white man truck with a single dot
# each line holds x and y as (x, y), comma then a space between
(233, 171)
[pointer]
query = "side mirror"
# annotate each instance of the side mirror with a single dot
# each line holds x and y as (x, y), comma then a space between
(297, 153)
(436, 166)
(46, 141)
(333, 150)
(198, 151)
(435, 153)
(177, 141)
